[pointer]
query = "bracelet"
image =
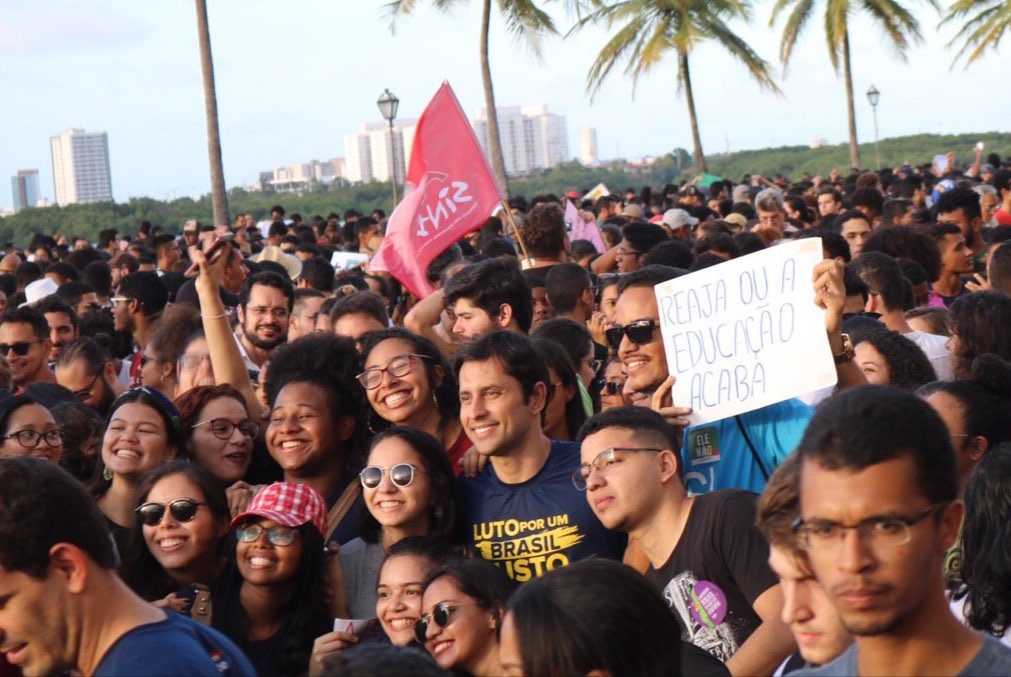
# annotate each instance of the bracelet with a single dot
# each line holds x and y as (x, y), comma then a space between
(213, 317)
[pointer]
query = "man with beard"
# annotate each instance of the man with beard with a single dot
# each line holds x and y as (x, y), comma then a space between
(141, 298)
(265, 304)
(62, 321)
(86, 369)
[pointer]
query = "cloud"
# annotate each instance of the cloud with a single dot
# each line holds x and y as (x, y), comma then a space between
(31, 28)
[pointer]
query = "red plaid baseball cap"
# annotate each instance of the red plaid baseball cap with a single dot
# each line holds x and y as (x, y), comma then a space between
(289, 504)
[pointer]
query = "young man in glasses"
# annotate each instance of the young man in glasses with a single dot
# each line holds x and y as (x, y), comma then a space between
(705, 555)
(265, 304)
(25, 344)
(140, 299)
(522, 511)
(64, 609)
(879, 508)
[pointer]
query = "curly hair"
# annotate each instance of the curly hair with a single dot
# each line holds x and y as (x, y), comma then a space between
(980, 322)
(543, 230)
(908, 242)
(908, 366)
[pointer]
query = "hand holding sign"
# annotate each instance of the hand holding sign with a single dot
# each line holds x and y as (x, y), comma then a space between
(663, 404)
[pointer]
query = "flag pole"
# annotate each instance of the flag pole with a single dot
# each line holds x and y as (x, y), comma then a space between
(516, 232)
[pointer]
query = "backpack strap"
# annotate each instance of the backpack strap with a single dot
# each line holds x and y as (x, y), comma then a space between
(347, 498)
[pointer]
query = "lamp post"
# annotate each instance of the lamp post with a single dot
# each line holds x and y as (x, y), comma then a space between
(873, 95)
(388, 104)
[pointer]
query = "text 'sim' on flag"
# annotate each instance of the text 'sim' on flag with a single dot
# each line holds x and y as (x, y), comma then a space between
(450, 191)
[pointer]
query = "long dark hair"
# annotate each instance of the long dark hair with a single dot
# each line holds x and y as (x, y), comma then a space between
(305, 615)
(140, 570)
(442, 511)
(986, 531)
(558, 361)
(594, 615)
(477, 578)
(447, 395)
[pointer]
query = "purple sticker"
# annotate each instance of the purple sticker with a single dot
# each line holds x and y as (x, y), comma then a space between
(708, 604)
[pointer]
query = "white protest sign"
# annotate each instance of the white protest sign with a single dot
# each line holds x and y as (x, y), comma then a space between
(344, 261)
(746, 333)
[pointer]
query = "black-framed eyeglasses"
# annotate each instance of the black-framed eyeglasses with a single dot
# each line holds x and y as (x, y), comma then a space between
(400, 365)
(442, 614)
(603, 463)
(222, 428)
(819, 535)
(279, 536)
(29, 439)
(639, 332)
(613, 387)
(20, 348)
(401, 474)
(85, 393)
(144, 359)
(181, 509)
(621, 251)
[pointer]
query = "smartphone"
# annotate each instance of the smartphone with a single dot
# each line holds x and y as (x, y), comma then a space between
(979, 146)
(211, 249)
(942, 163)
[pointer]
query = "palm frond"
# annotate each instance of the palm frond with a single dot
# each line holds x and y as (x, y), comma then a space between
(527, 22)
(987, 23)
(740, 50)
(795, 23)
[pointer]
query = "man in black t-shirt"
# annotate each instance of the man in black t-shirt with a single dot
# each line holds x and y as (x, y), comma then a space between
(706, 556)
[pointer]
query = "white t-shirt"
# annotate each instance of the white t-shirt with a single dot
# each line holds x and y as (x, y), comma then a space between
(936, 349)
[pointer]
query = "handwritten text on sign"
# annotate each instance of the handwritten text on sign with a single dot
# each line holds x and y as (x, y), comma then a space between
(746, 333)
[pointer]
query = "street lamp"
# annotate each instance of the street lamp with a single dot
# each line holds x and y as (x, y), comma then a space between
(388, 104)
(873, 95)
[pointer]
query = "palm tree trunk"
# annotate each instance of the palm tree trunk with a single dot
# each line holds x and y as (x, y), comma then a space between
(219, 197)
(494, 140)
(848, 75)
(686, 80)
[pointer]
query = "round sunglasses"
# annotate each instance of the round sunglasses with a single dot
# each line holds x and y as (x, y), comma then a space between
(441, 614)
(280, 536)
(401, 474)
(182, 510)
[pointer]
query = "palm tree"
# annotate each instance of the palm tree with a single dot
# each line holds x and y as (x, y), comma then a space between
(651, 28)
(897, 22)
(988, 21)
(525, 21)
(219, 197)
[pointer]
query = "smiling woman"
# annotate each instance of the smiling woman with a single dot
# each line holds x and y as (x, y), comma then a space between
(28, 429)
(217, 430)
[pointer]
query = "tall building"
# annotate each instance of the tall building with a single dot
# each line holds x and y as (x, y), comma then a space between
(300, 177)
(588, 146)
(531, 138)
(367, 152)
(81, 167)
(25, 189)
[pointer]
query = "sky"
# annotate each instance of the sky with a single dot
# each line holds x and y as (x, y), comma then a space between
(295, 76)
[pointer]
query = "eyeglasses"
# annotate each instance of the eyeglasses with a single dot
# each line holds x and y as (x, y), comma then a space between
(639, 332)
(277, 313)
(115, 300)
(222, 428)
(20, 348)
(593, 364)
(85, 393)
(890, 531)
(603, 463)
(399, 366)
(621, 251)
(442, 614)
(280, 536)
(401, 474)
(181, 509)
(29, 439)
(613, 387)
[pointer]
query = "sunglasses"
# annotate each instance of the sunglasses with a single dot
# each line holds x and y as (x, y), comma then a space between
(613, 387)
(442, 614)
(182, 510)
(639, 332)
(280, 536)
(401, 474)
(20, 348)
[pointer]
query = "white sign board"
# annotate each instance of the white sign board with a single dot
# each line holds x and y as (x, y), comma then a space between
(746, 333)
(344, 261)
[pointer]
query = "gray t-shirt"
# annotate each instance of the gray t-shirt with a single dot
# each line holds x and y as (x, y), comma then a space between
(992, 660)
(360, 562)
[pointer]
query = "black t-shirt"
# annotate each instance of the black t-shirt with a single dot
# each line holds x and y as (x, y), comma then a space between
(717, 570)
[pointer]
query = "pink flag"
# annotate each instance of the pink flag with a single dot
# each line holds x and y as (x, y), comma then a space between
(582, 230)
(450, 191)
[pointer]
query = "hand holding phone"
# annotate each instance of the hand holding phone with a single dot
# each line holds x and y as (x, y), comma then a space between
(211, 250)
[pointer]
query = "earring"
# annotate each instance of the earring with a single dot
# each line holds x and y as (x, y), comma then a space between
(107, 474)
(436, 400)
(368, 422)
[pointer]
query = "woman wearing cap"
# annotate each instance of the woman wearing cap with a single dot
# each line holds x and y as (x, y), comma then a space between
(273, 609)
(408, 382)
(141, 433)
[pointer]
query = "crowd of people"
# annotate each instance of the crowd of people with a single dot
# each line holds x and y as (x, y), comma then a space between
(229, 452)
